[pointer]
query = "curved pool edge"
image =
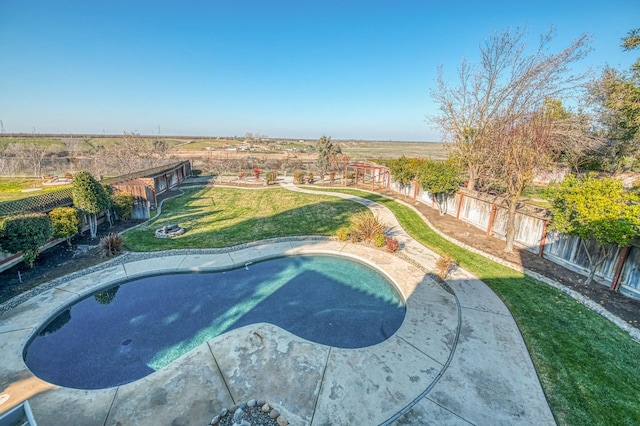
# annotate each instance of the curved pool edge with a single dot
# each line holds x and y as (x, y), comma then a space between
(399, 348)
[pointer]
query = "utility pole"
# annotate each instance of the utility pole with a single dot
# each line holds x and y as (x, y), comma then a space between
(1, 127)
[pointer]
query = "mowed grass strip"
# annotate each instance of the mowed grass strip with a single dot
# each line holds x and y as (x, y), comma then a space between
(588, 367)
(222, 217)
(11, 188)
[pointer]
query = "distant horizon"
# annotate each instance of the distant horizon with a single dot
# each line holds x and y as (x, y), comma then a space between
(107, 135)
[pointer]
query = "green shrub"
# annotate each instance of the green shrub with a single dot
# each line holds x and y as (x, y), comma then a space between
(25, 233)
(106, 296)
(365, 226)
(343, 233)
(90, 197)
(123, 205)
(111, 245)
(379, 240)
(196, 172)
(271, 177)
(298, 177)
(65, 222)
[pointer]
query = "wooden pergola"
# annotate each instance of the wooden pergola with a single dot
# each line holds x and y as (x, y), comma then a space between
(367, 173)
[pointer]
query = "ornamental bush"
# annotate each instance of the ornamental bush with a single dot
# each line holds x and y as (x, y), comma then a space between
(379, 240)
(271, 177)
(392, 245)
(25, 233)
(445, 265)
(122, 205)
(343, 233)
(365, 226)
(111, 245)
(65, 222)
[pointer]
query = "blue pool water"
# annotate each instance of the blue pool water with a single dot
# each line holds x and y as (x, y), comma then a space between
(126, 332)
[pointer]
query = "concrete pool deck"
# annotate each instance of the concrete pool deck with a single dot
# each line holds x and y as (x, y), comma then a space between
(457, 359)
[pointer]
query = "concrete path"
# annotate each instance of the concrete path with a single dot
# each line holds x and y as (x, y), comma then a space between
(458, 357)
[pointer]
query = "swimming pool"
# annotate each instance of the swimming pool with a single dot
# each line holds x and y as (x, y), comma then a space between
(126, 332)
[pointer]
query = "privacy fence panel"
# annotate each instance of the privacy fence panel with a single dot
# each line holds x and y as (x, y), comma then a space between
(569, 252)
(476, 212)
(630, 279)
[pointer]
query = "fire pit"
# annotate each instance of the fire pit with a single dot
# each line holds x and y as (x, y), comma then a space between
(169, 231)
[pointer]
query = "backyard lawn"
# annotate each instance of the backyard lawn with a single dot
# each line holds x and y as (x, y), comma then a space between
(222, 217)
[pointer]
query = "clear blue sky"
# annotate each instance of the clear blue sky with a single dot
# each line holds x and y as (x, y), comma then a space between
(301, 69)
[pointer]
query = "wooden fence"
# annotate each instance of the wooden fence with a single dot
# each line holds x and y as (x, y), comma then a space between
(620, 270)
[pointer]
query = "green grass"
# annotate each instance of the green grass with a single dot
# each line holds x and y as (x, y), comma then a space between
(222, 217)
(11, 188)
(588, 367)
(54, 143)
(538, 195)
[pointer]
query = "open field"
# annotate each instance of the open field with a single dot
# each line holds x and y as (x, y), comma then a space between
(373, 149)
(189, 146)
(12, 188)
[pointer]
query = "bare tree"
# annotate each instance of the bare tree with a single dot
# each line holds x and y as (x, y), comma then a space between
(129, 154)
(576, 140)
(507, 82)
(160, 149)
(31, 154)
(526, 146)
(494, 116)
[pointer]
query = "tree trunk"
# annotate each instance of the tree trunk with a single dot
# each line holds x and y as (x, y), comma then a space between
(93, 225)
(441, 201)
(471, 183)
(594, 264)
(592, 273)
(511, 226)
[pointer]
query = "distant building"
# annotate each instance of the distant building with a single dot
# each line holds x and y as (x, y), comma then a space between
(146, 185)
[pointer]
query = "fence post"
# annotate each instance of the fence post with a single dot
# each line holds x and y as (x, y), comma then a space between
(543, 240)
(615, 282)
(459, 205)
(492, 216)
(415, 188)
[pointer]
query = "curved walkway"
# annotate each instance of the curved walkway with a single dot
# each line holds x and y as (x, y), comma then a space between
(458, 357)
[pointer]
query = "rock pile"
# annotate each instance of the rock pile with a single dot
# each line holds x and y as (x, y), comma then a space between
(250, 413)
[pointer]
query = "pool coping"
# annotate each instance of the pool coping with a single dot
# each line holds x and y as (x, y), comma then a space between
(308, 382)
